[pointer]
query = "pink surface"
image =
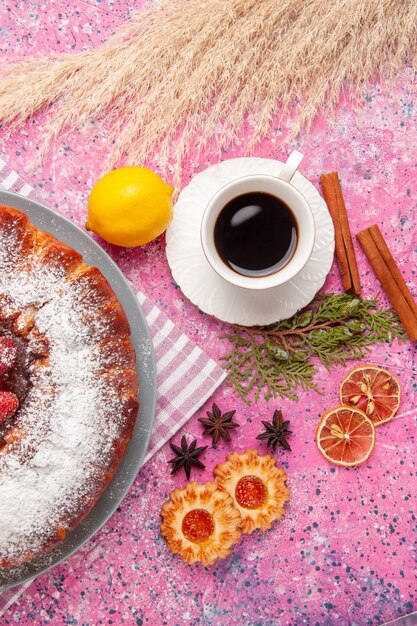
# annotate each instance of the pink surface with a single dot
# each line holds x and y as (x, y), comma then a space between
(346, 550)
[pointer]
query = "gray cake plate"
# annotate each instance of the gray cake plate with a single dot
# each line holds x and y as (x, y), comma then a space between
(50, 221)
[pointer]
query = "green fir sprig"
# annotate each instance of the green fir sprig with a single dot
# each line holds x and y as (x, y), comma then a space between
(280, 358)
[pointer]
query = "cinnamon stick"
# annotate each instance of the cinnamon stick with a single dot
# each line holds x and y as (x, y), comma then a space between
(345, 252)
(390, 277)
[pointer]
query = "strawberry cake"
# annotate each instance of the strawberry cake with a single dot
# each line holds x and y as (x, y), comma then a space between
(68, 388)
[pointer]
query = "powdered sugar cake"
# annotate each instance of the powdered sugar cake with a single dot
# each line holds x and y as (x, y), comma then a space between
(77, 385)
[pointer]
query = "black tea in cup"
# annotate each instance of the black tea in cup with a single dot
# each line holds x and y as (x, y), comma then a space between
(256, 234)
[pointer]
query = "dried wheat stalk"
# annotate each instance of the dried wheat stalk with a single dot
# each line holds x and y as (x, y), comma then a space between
(170, 76)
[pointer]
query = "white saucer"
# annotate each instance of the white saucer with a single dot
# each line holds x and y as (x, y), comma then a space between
(211, 293)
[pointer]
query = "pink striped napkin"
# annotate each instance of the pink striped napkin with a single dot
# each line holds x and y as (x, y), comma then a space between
(11, 181)
(186, 376)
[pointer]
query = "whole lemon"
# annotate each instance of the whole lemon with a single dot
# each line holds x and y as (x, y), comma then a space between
(130, 206)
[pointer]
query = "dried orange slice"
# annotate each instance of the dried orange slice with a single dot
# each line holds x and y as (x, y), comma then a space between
(373, 390)
(345, 436)
(200, 523)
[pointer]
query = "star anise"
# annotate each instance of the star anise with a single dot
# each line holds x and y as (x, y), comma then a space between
(276, 433)
(217, 424)
(186, 456)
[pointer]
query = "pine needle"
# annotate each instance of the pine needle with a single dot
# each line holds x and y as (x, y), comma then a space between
(180, 70)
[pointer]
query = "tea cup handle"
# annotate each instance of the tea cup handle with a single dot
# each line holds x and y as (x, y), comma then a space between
(291, 166)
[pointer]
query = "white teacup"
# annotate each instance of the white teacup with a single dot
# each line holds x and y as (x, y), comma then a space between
(280, 187)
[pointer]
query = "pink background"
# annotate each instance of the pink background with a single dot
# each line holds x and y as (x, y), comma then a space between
(346, 550)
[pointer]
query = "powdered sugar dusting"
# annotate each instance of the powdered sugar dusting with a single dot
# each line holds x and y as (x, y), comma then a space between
(73, 417)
